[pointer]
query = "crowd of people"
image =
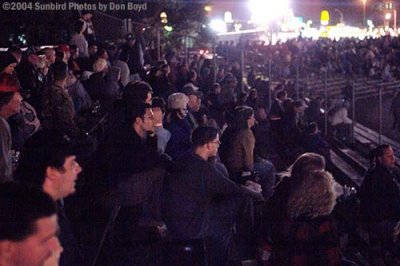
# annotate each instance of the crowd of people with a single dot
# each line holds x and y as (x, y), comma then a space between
(351, 57)
(187, 158)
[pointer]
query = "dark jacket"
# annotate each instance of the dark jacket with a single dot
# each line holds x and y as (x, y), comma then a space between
(179, 143)
(379, 197)
(191, 191)
(125, 153)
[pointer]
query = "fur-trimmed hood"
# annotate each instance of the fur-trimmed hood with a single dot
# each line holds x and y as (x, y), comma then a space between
(314, 197)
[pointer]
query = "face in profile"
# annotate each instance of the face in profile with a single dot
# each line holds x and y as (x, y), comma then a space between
(387, 159)
(66, 181)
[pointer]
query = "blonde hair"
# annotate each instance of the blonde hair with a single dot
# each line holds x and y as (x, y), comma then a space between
(314, 197)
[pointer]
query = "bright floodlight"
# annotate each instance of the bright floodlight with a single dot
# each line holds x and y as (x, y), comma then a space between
(264, 11)
(218, 25)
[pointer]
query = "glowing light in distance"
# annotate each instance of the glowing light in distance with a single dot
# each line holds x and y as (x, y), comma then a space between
(218, 25)
(264, 11)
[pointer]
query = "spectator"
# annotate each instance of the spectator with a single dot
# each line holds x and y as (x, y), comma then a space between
(194, 106)
(103, 85)
(201, 202)
(275, 210)
(341, 123)
(178, 125)
(237, 151)
(28, 223)
(10, 104)
(130, 163)
(310, 236)
(163, 135)
(79, 39)
(380, 196)
(57, 109)
(48, 162)
(89, 30)
(314, 142)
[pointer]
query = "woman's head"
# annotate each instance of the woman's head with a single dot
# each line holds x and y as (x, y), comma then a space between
(314, 197)
(305, 164)
(243, 117)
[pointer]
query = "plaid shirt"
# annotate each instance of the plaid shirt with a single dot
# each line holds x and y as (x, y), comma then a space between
(306, 241)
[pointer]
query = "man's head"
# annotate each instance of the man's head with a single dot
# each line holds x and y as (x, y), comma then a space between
(141, 116)
(48, 162)
(86, 15)
(7, 63)
(64, 48)
(137, 92)
(50, 56)
(384, 155)
(194, 103)
(16, 52)
(158, 107)
(28, 226)
(281, 95)
(206, 141)
(10, 98)
(60, 71)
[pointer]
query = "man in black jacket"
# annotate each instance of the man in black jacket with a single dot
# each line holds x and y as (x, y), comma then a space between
(201, 201)
(380, 194)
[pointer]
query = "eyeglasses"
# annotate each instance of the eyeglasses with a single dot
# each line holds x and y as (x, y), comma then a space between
(216, 142)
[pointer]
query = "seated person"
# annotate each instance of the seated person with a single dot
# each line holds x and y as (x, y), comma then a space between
(201, 201)
(380, 195)
(313, 141)
(309, 235)
(237, 151)
(133, 171)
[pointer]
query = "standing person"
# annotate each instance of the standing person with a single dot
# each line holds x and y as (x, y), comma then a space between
(48, 162)
(135, 49)
(89, 30)
(28, 223)
(78, 39)
(10, 104)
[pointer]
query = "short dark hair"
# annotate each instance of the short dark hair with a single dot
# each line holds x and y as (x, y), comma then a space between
(14, 49)
(135, 111)
(46, 148)
(281, 94)
(135, 92)
(240, 116)
(158, 102)
(5, 97)
(203, 135)
(59, 70)
(20, 208)
(78, 25)
(377, 152)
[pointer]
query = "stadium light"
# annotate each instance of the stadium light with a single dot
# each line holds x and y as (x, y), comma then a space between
(218, 25)
(264, 11)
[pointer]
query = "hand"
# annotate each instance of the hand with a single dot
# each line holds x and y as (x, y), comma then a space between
(253, 186)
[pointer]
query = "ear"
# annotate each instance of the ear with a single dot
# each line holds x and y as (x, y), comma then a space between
(52, 172)
(138, 120)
